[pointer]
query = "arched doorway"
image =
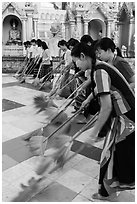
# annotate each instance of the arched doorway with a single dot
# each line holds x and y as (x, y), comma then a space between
(124, 28)
(7, 27)
(95, 28)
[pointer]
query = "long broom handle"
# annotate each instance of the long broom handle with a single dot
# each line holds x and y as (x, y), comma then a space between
(73, 92)
(31, 68)
(60, 110)
(52, 96)
(26, 67)
(62, 73)
(33, 64)
(39, 70)
(92, 120)
(69, 119)
(51, 71)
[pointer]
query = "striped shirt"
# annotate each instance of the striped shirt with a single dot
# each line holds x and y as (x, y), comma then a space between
(104, 86)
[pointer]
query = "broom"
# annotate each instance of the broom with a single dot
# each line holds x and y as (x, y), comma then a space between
(52, 156)
(59, 155)
(36, 80)
(37, 142)
(59, 78)
(41, 102)
(32, 66)
(42, 79)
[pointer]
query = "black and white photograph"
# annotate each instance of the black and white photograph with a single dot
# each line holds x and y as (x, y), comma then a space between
(68, 101)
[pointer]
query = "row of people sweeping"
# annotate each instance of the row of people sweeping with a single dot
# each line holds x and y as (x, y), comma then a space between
(37, 59)
(106, 51)
(110, 94)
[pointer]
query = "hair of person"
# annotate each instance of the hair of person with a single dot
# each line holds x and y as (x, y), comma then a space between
(39, 42)
(89, 52)
(62, 43)
(28, 43)
(86, 39)
(94, 44)
(72, 42)
(25, 43)
(44, 45)
(105, 44)
(33, 40)
(119, 52)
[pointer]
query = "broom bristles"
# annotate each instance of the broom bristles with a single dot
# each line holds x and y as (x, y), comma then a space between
(42, 103)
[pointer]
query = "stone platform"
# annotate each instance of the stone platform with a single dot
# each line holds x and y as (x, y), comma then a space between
(76, 182)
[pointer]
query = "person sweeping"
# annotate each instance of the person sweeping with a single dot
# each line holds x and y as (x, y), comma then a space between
(117, 105)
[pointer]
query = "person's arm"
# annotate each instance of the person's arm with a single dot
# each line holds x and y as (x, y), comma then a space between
(105, 110)
(103, 84)
(89, 98)
(88, 81)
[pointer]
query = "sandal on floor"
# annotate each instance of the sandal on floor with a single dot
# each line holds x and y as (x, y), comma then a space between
(97, 196)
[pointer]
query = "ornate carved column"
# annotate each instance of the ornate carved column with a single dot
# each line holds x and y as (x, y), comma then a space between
(30, 26)
(120, 24)
(29, 13)
(131, 33)
(24, 37)
(24, 29)
(67, 34)
(79, 26)
(72, 28)
(35, 28)
(86, 21)
(109, 28)
(63, 30)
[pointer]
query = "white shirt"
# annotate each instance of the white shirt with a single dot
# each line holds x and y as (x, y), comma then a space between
(28, 52)
(67, 57)
(33, 49)
(46, 57)
(39, 52)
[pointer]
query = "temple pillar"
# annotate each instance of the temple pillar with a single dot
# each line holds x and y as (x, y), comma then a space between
(86, 21)
(67, 33)
(63, 30)
(79, 26)
(130, 39)
(29, 26)
(120, 24)
(109, 28)
(29, 13)
(35, 28)
(24, 29)
(72, 28)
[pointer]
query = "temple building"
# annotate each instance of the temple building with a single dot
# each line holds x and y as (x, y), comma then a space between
(52, 21)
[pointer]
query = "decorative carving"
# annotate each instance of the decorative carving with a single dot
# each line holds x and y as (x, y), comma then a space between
(56, 28)
(28, 4)
(70, 14)
(13, 7)
(126, 9)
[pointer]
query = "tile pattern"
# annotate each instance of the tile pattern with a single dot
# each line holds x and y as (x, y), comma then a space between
(76, 182)
(8, 105)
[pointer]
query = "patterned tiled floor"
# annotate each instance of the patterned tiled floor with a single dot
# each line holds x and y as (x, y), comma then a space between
(76, 182)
